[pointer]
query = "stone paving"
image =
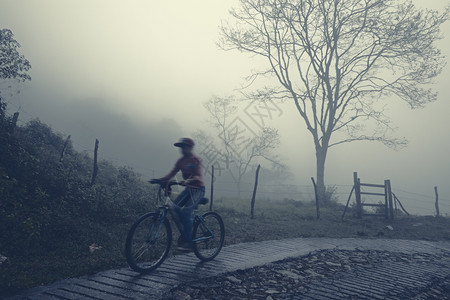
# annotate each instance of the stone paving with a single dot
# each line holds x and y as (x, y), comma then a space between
(184, 269)
(331, 274)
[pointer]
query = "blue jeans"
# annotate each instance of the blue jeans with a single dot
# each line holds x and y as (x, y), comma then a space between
(186, 202)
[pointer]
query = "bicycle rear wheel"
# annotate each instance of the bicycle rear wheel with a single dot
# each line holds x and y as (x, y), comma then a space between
(148, 242)
(208, 236)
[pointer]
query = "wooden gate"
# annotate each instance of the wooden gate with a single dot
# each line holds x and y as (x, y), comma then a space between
(387, 209)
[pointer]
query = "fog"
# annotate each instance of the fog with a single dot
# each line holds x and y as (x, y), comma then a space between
(134, 74)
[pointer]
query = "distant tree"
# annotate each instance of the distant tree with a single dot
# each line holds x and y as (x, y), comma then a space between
(13, 65)
(237, 154)
(336, 59)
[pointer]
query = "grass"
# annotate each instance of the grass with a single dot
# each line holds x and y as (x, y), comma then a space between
(288, 219)
(273, 220)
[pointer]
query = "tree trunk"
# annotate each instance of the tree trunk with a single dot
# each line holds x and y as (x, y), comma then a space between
(238, 186)
(321, 155)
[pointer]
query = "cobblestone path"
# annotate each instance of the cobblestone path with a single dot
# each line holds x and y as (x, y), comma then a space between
(185, 270)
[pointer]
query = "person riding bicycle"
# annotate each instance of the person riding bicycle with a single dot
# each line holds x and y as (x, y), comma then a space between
(190, 166)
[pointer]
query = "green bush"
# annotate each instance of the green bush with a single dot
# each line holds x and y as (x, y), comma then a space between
(46, 203)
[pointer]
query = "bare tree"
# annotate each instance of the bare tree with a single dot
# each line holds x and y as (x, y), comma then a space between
(337, 60)
(236, 150)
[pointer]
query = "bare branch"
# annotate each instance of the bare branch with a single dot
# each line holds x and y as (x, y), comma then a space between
(337, 60)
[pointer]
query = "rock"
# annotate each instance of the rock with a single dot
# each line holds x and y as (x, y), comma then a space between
(4, 260)
(234, 280)
(358, 260)
(276, 280)
(420, 258)
(94, 247)
(389, 227)
(404, 258)
(313, 274)
(290, 274)
(314, 258)
(332, 264)
(435, 291)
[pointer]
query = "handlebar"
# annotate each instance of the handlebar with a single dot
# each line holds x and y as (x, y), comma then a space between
(165, 188)
(163, 183)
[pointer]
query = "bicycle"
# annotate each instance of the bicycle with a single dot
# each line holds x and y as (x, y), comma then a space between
(150, 238)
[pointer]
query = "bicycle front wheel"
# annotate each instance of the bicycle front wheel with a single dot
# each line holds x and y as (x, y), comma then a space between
(208, 236)
(148, 242)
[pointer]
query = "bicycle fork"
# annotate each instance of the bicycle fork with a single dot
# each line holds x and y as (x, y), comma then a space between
(158, 221)
(156, 225)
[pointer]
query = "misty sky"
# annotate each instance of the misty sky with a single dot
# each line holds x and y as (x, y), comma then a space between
(143, 64)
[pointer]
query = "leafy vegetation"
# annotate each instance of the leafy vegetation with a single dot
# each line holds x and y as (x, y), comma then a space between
(13, 65)
(50, 215)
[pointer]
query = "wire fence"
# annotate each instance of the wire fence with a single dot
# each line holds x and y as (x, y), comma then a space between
(415, 202)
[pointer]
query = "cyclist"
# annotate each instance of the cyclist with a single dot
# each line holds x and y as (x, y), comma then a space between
(190, 166)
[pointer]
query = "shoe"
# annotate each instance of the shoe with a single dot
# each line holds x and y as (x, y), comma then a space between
(185, 247)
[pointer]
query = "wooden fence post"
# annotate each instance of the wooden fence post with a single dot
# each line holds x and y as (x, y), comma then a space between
(395, 206)
(252, 210)
(357, 195)
(401, 205)
(386, 201)
(95, 171)
(317, 198)
(64, 149)
(389, 197)
(212, 189)
(436, 204)
(348, 201)
(14, 122)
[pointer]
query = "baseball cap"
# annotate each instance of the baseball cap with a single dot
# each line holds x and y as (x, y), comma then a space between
(185, 142)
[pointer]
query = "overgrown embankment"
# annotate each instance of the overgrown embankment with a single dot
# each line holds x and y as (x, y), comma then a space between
(49, 212)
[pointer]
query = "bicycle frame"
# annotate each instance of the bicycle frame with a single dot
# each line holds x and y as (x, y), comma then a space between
(163, 213)
(161, 220)
(203, 226)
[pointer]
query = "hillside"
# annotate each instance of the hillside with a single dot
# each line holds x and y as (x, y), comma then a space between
(49, 209)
